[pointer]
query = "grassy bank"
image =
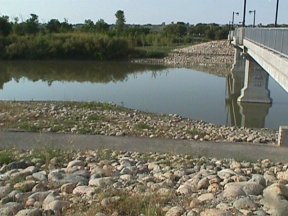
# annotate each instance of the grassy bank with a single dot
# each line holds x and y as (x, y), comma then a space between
(80, 46)
(64, 46)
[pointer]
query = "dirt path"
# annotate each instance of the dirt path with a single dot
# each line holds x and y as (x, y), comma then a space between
(243, 151)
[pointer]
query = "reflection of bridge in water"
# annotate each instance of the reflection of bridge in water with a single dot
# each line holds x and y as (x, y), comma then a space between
(258, 54)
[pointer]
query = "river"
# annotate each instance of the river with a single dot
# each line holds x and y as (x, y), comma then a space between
(187, 92)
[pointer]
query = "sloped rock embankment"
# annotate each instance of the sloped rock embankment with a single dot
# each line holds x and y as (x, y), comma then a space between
(214, 57)
(125, 183)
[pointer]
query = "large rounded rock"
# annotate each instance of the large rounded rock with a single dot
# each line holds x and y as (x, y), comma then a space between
(245, 203)
(57, 206)
(186, 189)
(40, 176)
(68, 187)
(25, 185)
(215, 212)
(5, 190)
(282, 175)
(203, 183)
(10, 209)
(194, 203)
(52, 196)
(100, 182)
(237, 189)
(59, 177)
(77, 163)
(84, 190)
(226, 173)
(258, 179)
(275, 199)
(175, 211)
(206, 197)
(39, 196)
(29, 212)
(17, 165)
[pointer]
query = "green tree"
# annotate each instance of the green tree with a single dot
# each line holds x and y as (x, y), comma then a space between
(32, 24)
(88, 26)
(101, 26)
(5, 26)
(222, 32)
(120, 21)
(176, 30)
(18, 28)
(53, 26)
(66, 27)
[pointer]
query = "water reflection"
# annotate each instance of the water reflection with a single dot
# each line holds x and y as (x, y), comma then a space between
(241, 114)
(72, 71)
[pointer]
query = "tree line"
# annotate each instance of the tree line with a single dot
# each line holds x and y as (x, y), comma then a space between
(99, 40)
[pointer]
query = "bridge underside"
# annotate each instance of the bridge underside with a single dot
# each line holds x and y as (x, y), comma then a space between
(275, 64)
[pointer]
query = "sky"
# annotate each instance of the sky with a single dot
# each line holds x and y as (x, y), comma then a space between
(146, 11)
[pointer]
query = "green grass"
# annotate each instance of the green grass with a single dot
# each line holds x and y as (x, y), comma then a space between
(105, 154)
(97, 106)
(155, 51)
(7, 156)
(30, 127)
(130, 205)
(44, 156)
(142, 126)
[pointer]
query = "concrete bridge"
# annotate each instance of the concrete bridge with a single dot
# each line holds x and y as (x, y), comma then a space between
(265, 52)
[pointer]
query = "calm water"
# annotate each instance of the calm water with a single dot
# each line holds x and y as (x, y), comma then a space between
(187, 92)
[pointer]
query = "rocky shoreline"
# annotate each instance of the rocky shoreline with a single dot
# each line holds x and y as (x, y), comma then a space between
(107, 182)
(215, 57)
(112, 120)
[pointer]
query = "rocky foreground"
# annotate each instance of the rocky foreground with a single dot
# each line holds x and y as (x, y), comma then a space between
(112, 120)
(215, 57)
(100, 183)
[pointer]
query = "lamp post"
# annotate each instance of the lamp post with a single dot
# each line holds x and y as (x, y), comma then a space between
(276, 17)
(254, 12)
(244, 14)
(233, 17)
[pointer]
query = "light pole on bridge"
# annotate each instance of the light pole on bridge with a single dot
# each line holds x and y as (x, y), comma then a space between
(276, 17)
(244, 14)
(254, 12)
(233, 16)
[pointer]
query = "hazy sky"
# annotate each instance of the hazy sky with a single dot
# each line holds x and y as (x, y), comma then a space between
(146, 11)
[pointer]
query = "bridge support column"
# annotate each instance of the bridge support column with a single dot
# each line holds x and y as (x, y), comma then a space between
(283, 136)
(237, 72)
(256, 84)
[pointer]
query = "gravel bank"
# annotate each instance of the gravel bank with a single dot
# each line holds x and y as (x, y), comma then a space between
(125, 183)
(214, 57)
(112, 120)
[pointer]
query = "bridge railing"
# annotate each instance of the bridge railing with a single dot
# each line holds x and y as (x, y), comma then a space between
(275, 39)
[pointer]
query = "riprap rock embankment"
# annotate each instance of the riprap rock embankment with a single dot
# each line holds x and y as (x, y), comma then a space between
(129, 183)
(214, 57)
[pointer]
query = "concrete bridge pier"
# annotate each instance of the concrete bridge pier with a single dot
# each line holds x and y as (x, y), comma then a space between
(256, 84)
(237, 72)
